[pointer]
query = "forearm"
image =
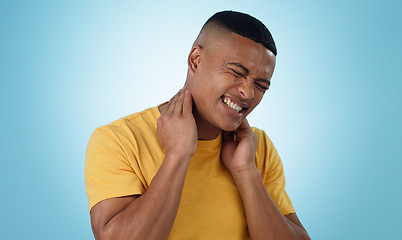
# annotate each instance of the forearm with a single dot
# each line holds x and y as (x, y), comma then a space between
(152, 215)
(264, 219)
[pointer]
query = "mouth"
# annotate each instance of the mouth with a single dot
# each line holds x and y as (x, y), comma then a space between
(237, 107)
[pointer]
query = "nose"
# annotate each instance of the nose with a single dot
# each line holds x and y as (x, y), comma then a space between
(246, 90)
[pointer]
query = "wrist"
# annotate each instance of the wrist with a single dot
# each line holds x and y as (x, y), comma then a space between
(246, 172)
(178, 156)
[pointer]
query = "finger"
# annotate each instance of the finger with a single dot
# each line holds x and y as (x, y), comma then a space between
(172, 103)
(244, 125)
(179, 103)
(165, 107)
(188, 102)
(242, 129)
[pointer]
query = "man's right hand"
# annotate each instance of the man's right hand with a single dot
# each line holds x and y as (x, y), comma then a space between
(151, 215)
(176, 127)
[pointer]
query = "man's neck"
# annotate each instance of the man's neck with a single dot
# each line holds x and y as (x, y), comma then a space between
(206, 131)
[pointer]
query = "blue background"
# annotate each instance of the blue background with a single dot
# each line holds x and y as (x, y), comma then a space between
(333, 111)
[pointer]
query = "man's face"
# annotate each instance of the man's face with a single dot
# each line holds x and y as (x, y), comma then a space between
(229, 80)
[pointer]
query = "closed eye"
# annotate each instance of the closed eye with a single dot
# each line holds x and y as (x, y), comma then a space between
(261, 87)
(237, 73)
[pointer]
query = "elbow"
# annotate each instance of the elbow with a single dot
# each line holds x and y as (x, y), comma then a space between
(104, 234)
(114, 232)
(296, 234)
(306, 237)
(303, 235)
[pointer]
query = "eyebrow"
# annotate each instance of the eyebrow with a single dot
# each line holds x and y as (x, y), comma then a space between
(240, 66)
(247, 72)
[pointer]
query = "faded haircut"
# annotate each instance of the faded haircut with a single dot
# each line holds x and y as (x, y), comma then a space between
(244, 25)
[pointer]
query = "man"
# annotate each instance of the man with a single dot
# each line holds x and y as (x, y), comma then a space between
(193, 168)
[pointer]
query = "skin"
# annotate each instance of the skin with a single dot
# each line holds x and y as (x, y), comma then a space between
(215, 72)
(221, 65)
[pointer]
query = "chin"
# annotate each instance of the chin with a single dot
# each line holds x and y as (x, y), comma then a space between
(230, 128)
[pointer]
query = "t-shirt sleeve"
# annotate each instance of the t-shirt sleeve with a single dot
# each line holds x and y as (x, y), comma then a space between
(108, 172)
(273, 174)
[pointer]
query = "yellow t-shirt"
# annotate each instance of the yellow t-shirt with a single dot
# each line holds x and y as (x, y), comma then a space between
(124, 156)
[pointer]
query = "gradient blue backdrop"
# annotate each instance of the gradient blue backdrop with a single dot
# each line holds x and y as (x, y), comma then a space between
(333, 111)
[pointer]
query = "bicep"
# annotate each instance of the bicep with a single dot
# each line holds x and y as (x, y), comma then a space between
(106, 210)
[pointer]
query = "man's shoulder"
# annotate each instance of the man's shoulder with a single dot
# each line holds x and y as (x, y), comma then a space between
(259, 132)
(144, 120)
(263, 137)
(147, 115)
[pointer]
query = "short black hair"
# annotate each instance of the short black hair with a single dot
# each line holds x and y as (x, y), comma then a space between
(244, 25)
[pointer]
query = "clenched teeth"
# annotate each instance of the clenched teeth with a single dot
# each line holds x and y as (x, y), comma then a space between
(232, 105)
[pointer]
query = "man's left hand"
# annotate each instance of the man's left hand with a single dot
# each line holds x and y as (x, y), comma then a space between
(239, 154)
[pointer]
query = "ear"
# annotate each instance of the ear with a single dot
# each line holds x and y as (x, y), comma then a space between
(194, 58)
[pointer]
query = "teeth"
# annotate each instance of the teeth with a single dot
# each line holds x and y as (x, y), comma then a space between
(232, 105)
